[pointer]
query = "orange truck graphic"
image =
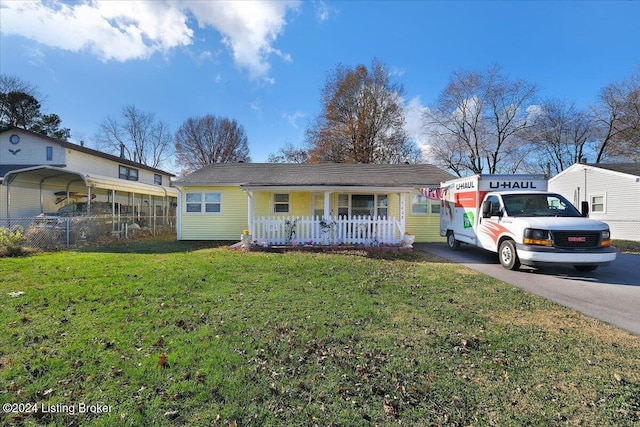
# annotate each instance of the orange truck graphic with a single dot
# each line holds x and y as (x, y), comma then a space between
(518, 219)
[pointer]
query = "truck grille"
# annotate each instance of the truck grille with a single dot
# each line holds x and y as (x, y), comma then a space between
(576, 239)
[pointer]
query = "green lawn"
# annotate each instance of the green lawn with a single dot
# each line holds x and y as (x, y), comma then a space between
(168, 333)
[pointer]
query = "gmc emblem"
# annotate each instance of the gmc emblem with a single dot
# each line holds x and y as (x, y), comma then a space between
(577, 239)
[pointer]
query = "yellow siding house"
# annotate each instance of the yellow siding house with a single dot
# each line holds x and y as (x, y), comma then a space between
(310, 203)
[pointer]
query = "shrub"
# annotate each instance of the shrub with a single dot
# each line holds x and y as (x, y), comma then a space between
(12, 241)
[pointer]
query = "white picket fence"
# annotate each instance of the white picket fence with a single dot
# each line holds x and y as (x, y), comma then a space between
(361, 230)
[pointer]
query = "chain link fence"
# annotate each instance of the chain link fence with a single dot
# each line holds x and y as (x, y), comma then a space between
(52, 233)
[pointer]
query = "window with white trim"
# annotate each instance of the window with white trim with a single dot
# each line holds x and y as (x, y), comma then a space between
(281, 203)
(421, 205)
(157, 179)
(203, 202)
(598, 203)
(374, 205)
(212, 202)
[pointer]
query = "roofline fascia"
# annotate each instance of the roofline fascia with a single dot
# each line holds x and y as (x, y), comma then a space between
(331, 188)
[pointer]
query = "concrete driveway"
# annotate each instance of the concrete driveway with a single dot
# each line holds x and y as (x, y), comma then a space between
(611, 293)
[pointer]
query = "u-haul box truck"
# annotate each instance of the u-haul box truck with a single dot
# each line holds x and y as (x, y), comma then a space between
(515, 217)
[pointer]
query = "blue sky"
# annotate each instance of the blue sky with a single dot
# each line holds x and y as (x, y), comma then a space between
(264, 63)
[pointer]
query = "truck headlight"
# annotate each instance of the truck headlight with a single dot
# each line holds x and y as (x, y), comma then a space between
(534, 236)
(605, 238)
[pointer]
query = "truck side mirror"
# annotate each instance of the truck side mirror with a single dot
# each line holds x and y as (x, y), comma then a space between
(585, 208)
(486, 209)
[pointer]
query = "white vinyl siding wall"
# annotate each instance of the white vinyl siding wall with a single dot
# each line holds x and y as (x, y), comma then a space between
(621, 197)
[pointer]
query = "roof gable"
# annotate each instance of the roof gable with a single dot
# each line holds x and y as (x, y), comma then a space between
(324, 174)
(86, 150)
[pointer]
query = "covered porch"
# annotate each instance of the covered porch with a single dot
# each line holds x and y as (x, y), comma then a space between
(348, 215)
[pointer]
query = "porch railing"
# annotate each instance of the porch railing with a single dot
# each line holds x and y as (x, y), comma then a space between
(358, 230)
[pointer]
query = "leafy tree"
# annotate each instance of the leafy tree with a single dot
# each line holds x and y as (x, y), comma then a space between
(20, 92)
(478, 122)
(49, 124)
(289, 154)
(20, 109)
(362, 118)
(617, 116)
(201, 141)
(20, 106)
(137, 136)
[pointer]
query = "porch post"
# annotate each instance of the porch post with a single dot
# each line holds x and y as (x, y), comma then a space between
(327, 207)
(250, 212)
(402, 213)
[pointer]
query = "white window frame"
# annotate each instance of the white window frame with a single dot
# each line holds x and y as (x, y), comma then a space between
(434, 204)
(429, 204)
(425, 204)
(604, 203)
(377, 199)
(202, 202)
(274, 202)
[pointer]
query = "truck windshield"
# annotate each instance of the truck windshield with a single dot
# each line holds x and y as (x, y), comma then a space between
(538, 205)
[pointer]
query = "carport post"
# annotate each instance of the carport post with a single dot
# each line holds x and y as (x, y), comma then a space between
(113, 210)
(8, 201)
(88, 200)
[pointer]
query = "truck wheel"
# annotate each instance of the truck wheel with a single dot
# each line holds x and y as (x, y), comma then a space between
(585, 267)
(453, 244)
(508, 255)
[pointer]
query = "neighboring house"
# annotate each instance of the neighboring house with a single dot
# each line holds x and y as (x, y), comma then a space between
(40, 175)
(320, 203)
(611, 190)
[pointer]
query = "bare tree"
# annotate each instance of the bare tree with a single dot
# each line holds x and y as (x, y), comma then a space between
(617, 115)
(477, 121)
(136, 136)
(362, 118)
(289, 154)
(201, 141)
(560, 136)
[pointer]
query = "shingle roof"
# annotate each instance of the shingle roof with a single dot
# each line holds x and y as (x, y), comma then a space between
(325, 174)
(628, 168)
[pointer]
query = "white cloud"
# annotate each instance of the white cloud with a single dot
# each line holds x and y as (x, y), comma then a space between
(249, 29)
(293, 118)
(414, 122)
(129, 30)
(397, 72)
(322, 11)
